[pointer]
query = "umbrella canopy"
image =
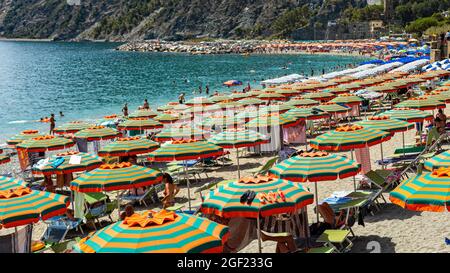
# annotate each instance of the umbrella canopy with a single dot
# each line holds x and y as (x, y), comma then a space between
(72, 127)
(128, 146)
(119, 176)
(421, 103)
(239, 96)
(315, 166)
(222, 121)
(338, 90)
(144, 113)
(307, 114)
(219, 98)
(21, 206)
(232, 83)
(229, 139)
(87, 162)
(166, 118)
(319, 96)
(162, 232)
(181, 133)
(348, 138)
(385, 123)
(251, 101)
(45, 143)
(7, 183)
(438, 161)
(199, 101)
(185, 150)
(347, 99)
(273, 119)
(225, 200)
(271, 96)
(408, 115)
(429, 191)
(24, 135)
(279, 108)
(97, 133)
(302, 102)
(333, 108)
(139, 124)
(4, 159)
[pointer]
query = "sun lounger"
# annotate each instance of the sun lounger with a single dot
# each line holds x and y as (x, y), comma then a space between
(151, 191)
(334, 238)
(266, 167)
(322, 250)
(93, 214)
(58, 227)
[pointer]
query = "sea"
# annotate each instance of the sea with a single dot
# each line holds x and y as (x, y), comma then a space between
(89, 80)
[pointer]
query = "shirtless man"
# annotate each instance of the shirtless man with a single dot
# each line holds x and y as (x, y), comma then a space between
(52, 123)
(146, 106)
(125, 110)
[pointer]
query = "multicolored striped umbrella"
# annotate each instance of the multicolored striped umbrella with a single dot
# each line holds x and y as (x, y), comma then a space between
(185, 150)
(347, 99)
(247, 115)
(199, 101)
(87, 162)
(333, 108)
(22, 206)
(348, 138)
(158, 232)
(385, 123)
(314, 167)
(45, 143)
(421, 103)
(273, 119)
(139, 124)
(408, 115)
(119, 176)
(222, 121)
(97, 133)
(307, 114)
(271, 96)
(181, 133)
(7, 183)
(167, 118)
(251, 101)
(438, 161)
(72, 127)
(287, 92)
(277, 108)
(145, 113)
(24, 135)
(225, 200)
(302, 102)
(429, 191)
(338, 90)
(4, 159)
(128, 146)
(219, 98)
(319, 96)
(240, 96)
(229, 105)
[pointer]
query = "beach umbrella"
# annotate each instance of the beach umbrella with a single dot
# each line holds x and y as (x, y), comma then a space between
(273, 196)
(307, 114)
(440, 96)
(271, 97)
(139, 124)
(22, 206)
(180, 107)
(429, 191)
(96, 133)
(251, 101)
(408, 115)
(128, 146)
(239, 96)
(166, 107)
(181, 133)
(72, 127)
(332, 108)
(438, 161)
(158, 232)
(348, 138)
(70, 164)
(238, 138)
(7, 183)
(315, 167)
(421, 103)
(45, 143)
(338, 90)
(319, 96)
(247, 115)
(347, 99)
(277, 108)
(199, 101)
(183, 150)
(287, 92)
(273, 119)
(232, 83)
(222, 121)
(24, 135)
(4, 159)
(219, 98)
(166, 118)
(301, 102)
(144, 113)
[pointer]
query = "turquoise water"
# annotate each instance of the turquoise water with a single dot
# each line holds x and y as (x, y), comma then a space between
(90, 80)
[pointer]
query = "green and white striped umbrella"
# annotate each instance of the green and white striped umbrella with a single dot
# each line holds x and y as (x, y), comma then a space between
(273, 119)
(88, 162)
(24, 135)
(72, 127)
(409, 115)
(222, 121)
(167, 118)
(333, 108)
(181, 133)
(421, 103)
(251, 101)
(307, 114)
(277, 108)
(45, 143)
(347, 99)
(97, 133)
(271, 96)
(385, 123)
(144, 113)
(128, 147)
(302, 102)
(319, 96)
(139, 124)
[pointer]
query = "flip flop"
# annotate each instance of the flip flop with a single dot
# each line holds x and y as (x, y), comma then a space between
(251, 196)
(272, 197)
(262, 196)
(244, 196)
(281, 195)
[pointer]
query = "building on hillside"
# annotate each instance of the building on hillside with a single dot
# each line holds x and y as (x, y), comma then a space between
(361, 30)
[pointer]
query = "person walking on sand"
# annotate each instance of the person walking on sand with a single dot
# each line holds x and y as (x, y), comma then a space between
(125, 110)
(146, 106)
(52, 123)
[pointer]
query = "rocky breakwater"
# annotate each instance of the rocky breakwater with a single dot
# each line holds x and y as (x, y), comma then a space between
(216, 47)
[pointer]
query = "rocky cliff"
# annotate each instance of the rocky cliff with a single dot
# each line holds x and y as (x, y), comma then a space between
(128, 20)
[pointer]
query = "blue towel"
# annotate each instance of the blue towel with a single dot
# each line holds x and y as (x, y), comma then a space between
(58, 161)
(447, 241)
(337, 200)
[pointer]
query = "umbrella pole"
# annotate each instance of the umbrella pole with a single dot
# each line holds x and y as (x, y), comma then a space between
(403, 141)
(259, 234)
(382, 159)
(354, 179)
(317, 201)
(187, 183)
(237, 159)
(118, 205)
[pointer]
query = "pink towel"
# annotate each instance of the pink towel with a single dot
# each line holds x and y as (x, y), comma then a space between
(363, 157)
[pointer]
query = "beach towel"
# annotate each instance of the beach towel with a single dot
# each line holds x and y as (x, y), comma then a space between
(363, 157)
(57, 162)
(78, 205)
(295, 134)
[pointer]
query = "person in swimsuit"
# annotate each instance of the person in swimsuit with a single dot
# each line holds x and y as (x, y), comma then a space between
(181, 98)
(146, 106)
(125, 110)
(52, 123)
(170, 191)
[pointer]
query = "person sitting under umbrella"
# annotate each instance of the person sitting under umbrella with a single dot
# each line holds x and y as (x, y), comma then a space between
(170, 191)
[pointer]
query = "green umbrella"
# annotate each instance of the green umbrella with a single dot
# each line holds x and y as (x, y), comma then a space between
(129, 146)
(72, 127)
(24, 135)
(144, 113)
(97, 133)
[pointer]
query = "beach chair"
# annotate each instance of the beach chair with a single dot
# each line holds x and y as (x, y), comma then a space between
(93, 214)
(58, 227)
(322, 250)
(266, 167)
(379, 181)
(151, 192)
(336, 239)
